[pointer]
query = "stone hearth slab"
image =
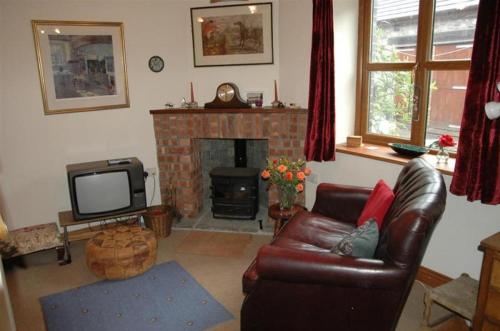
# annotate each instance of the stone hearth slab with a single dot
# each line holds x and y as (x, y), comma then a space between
(206, 222)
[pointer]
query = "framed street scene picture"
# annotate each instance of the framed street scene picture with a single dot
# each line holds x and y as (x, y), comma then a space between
(81, 65)
(232, 35)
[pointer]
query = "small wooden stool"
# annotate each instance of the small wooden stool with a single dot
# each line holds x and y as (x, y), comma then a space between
(121, 252)
(458, 295)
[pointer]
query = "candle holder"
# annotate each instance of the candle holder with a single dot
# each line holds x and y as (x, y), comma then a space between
(276, 103)
(192, 103)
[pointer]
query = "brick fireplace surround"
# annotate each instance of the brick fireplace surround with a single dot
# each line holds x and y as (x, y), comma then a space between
(178, 131)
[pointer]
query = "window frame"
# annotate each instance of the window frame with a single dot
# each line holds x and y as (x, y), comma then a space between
(421, 68)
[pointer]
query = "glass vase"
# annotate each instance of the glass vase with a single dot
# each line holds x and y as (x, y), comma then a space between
(442, 156)
(286, 196)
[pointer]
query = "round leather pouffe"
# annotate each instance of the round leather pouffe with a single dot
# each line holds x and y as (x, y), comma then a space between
(121, 252)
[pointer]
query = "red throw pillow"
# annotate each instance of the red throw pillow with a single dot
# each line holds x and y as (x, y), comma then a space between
(378, 204)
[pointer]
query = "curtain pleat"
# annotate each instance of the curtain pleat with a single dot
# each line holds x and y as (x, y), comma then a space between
(477, 169)
(320, 137)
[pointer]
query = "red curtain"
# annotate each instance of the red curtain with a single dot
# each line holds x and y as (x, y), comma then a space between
(320, 138)
(477, 171)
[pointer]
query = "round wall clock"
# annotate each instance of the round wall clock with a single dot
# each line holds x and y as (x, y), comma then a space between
(227, 95)
(156, 63)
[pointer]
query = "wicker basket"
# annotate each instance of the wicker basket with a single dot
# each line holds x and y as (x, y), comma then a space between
(159, 219)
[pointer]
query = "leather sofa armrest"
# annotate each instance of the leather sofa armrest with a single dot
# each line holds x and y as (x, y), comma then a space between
(300, 266)
(341, 202)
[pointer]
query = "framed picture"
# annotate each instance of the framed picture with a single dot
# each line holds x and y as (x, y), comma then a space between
(232, 35)
(81, 65)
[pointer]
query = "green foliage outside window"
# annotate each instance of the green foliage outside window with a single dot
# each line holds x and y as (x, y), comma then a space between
(391, 92)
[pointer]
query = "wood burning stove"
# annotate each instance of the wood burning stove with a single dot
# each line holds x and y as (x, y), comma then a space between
(235, 192)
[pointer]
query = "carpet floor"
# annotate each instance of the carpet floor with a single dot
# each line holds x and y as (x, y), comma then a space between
(219, 275)
(214, 244)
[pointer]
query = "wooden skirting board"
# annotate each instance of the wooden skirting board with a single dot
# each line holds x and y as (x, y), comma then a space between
(431, 278)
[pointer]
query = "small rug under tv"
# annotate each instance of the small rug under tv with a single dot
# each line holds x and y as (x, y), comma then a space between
(166, 297)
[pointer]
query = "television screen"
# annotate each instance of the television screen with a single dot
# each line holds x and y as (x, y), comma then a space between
(102, 192)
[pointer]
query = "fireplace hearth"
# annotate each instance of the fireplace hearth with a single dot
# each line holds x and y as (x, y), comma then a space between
(235, 192)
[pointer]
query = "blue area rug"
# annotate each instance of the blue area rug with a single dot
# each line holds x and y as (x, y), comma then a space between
(164, 298)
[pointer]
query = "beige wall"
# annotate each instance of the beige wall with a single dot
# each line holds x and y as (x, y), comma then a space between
(295, 48)
(35, 148)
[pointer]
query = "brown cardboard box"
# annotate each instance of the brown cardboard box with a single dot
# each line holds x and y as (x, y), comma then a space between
(354, 141)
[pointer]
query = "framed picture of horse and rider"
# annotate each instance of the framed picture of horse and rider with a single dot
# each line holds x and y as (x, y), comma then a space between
(232, 35)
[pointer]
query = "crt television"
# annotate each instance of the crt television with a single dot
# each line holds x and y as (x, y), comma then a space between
(106, 188)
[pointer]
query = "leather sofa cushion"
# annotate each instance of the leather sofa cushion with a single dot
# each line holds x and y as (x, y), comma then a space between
(305, 231)
(313, 232)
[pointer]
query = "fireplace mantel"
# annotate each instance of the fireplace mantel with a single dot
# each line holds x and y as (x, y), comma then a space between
(178, 131)
(227, 110)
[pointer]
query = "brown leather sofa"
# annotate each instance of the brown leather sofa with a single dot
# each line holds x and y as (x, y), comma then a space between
(296, 283)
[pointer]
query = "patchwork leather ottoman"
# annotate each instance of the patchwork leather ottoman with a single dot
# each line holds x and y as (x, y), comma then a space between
(121, 252)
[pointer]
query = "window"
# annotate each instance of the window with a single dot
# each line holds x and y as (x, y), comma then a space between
(413, 61)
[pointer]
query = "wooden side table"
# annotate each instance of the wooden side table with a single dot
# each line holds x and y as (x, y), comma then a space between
(282, 216)
(487, 316)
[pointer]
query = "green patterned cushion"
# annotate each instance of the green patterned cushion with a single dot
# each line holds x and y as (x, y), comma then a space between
(361, 242)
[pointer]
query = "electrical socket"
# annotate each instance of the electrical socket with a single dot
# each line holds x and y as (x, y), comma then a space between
(151, 171)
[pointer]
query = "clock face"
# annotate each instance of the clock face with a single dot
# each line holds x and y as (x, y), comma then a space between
(227, 95)
(156, 64)
(225, 92)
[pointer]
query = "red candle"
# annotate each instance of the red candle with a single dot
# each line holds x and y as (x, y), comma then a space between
(192, 93)
(275, 91)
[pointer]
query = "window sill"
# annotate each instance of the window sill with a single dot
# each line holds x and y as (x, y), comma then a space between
(386, 154)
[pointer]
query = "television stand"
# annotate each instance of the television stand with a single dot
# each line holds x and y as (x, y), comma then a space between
(66, 220)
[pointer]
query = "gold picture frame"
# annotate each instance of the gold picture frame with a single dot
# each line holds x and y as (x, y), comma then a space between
(233, 35)
(81, 65)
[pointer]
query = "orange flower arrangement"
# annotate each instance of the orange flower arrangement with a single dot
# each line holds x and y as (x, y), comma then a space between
(288, 176)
